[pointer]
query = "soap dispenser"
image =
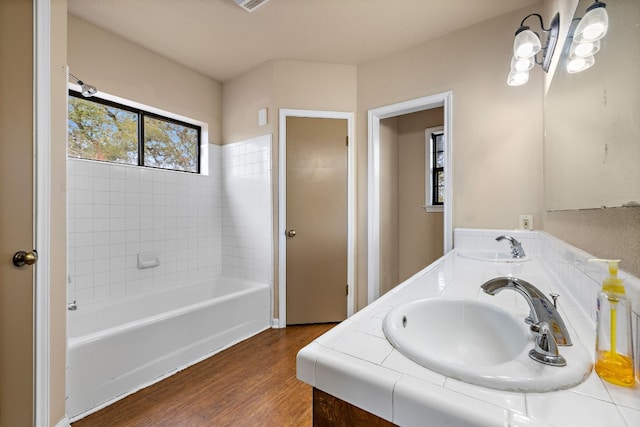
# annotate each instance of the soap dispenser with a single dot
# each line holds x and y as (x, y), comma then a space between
(614, 346)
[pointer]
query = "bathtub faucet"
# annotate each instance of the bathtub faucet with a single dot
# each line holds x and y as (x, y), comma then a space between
(516, 246)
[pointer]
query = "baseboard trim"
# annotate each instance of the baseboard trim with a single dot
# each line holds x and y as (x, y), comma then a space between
(64, 422)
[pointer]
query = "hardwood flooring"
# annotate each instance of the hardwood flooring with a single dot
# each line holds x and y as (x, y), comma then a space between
(250, 384)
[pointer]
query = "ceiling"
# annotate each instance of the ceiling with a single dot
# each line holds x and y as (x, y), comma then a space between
(221, 40)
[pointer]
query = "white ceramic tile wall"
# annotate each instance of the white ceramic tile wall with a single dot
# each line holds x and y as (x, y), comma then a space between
(200, 226)
(247, 210)
(118, 211)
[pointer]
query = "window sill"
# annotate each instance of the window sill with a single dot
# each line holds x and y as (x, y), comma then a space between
(433, 208)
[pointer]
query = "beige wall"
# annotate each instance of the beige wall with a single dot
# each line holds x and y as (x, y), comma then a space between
(121, 68)
(497, 129)
(242, 98)
(283, 84)
(389, 261)
(410, 238)
(421, 233)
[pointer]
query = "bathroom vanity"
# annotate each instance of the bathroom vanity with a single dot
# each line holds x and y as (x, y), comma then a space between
(358, 374)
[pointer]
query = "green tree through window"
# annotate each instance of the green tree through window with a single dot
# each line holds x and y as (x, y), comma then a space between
(100, 132)
(106, 131)
(169, 145)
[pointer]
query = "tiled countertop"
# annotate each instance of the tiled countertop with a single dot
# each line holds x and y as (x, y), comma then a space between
(354, 361)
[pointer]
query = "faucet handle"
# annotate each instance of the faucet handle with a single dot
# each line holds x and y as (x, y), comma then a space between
(545, 349)
(554, 297)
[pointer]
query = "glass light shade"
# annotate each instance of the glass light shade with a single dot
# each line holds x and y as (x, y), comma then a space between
(577, 64)
(593, 26)
(585, 49)
(524, 64)
(526, 44)
(517, 78)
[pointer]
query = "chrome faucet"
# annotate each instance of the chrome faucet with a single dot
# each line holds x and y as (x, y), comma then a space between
(516, 246)
(546, 324)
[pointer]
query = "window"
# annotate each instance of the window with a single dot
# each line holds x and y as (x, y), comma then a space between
(434, 159)
(110, 132)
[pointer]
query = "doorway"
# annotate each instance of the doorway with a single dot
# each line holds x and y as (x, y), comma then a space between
(375, 196)
(309, 291)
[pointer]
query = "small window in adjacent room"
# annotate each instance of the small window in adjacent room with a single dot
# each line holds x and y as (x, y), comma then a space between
(107, 131)
(434, 161)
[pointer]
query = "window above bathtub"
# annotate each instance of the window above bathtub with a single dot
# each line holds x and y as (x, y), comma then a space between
(108, 131)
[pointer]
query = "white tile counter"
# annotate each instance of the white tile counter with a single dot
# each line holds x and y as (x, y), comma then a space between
(354, 361)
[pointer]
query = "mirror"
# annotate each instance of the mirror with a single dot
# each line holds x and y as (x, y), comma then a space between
(592, 120)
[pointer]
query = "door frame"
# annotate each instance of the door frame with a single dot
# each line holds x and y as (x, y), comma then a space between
(42, 208)
(445, 100)
(282, 205)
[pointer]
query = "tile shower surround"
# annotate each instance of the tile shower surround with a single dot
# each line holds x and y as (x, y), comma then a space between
(200, 226)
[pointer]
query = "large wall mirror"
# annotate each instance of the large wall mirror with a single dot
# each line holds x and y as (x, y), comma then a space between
(592, 120)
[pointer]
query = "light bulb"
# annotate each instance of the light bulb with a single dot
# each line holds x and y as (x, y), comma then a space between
(578, 64)
(517, 78)
(584, 49)
(524, 64)
(526, 44)
(593, 25)
(594, 31)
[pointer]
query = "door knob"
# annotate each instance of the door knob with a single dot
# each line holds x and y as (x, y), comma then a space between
(291, 233)
(21, 258)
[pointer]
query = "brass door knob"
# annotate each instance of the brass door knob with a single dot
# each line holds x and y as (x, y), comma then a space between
(291, 233)
(21, 258)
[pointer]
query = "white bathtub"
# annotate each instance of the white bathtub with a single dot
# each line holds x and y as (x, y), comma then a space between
(119, 347)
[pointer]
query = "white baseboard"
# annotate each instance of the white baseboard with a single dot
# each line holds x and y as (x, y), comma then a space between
(64, 422)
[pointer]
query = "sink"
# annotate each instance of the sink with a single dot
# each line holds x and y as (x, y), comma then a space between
(491, 256)
(478, 343)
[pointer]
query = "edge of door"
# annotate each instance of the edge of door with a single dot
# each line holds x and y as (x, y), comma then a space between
(42, 208)
(444, 99)
(282, 204)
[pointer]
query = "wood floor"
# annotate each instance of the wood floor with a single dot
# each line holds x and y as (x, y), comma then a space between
(250, 384)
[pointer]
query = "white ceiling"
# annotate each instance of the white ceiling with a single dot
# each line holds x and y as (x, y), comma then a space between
(221, 40)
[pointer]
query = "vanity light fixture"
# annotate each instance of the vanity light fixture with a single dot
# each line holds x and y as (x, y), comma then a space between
(87, 90)
(586, 37)
(526, 47)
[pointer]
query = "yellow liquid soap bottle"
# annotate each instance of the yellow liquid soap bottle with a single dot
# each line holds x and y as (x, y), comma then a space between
(614, 345)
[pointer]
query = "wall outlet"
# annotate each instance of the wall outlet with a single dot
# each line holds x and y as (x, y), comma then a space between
(526, 222)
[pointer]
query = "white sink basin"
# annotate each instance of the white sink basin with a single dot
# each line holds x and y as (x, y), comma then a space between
(491, 256)
(480, 344)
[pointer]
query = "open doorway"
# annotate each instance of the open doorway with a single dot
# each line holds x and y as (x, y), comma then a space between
(382, 205)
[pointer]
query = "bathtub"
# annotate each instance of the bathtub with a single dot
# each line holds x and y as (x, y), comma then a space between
(116, 348)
